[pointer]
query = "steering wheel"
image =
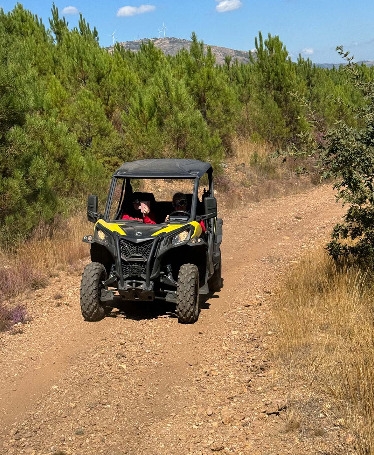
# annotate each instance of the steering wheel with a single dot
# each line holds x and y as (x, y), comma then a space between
(178, 213)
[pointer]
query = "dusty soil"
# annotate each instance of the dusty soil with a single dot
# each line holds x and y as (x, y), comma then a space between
(140, 383)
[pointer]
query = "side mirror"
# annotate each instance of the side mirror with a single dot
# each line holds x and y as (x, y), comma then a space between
(92, 207)
(210, 207)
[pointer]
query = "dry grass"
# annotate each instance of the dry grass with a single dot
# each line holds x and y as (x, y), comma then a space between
(326, 337)
(36, 260)
(254, 174)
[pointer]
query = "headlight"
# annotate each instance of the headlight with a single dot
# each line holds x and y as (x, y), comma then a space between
(181, 237)
(177, 238)
(101, 236)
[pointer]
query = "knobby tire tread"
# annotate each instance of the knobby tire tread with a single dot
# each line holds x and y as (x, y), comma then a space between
(91, 307)
(188, 294)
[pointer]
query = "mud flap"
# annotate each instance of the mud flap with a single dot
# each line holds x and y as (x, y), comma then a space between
(204, 290)
(106, 296)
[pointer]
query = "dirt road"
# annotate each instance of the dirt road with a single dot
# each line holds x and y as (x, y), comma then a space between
(140, 383)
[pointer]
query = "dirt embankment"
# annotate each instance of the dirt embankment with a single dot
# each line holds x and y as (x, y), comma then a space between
(140, 383)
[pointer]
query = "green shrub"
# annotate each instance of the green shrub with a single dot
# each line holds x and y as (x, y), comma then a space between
(349, 159)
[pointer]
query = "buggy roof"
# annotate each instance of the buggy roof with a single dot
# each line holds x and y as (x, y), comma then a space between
(164, 168)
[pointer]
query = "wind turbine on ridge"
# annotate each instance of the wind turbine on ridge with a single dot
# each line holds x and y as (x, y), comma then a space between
(162, 30)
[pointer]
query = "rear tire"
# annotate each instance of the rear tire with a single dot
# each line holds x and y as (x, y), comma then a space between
(92, 282)
(187, 307)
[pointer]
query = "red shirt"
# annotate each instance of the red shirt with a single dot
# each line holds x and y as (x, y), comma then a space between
(147, 219)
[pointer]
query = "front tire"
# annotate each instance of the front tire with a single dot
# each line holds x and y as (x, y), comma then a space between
(187, 307)
(92, 282)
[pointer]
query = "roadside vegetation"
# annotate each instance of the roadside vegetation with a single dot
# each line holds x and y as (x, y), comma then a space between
(45, 254)
(324, 317)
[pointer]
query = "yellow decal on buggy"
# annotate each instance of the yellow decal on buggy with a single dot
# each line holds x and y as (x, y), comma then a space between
(173, 227)
(113, 227)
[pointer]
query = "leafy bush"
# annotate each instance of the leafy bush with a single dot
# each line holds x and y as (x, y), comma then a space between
(349, 159)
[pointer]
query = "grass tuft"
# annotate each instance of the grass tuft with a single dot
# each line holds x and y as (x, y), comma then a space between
(12, 316)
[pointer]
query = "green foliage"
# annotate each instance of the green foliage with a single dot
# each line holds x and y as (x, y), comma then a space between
(119, 85)
(58, 26)
(281, 116)
(210, 90)
(349, 159)
(163, 121)
(39, 172)
(85, 117)
(140, 125)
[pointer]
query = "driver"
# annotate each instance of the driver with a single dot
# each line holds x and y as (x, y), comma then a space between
(180, 204)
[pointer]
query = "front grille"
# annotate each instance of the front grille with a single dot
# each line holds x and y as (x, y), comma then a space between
(130, 249)
(134, 257)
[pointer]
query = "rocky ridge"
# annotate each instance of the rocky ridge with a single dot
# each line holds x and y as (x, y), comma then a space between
(171, 46)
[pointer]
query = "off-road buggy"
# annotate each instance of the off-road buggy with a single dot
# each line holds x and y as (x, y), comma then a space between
(178, 259)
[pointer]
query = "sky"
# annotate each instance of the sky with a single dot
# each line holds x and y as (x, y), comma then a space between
(310, 28)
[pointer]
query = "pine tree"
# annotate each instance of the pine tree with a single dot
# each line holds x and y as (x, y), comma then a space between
(278, 92)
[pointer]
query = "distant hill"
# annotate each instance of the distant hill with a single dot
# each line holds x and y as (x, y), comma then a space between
(171, 46)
